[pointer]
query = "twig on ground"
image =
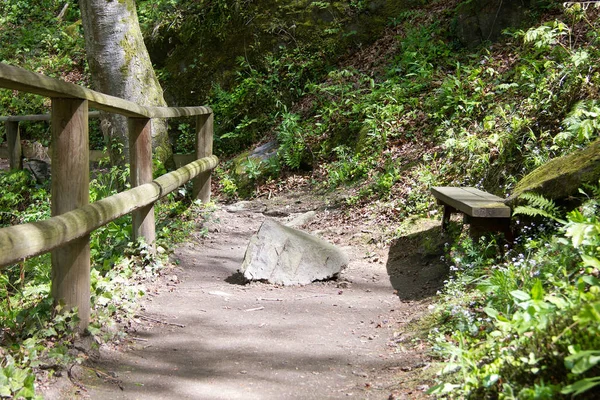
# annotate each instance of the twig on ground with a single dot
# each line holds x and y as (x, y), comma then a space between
(255, 309)
(73, 380)
(159, 321)
(107, 377)
(310, 297)
(268, 299)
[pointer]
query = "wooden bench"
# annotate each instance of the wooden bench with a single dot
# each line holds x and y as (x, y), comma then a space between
(483, 211)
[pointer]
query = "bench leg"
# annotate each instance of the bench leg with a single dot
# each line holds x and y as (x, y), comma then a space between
(480, 226)
(448, 211)
(508, 233)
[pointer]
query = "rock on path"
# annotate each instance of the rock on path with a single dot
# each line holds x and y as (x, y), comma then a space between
(281, 255)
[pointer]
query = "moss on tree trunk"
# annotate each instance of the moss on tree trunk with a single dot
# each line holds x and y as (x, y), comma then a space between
(121, 67)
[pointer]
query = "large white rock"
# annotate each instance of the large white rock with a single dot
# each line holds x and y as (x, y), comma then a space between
(285, 256)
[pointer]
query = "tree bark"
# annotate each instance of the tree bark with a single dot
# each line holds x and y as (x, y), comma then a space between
(120, 66)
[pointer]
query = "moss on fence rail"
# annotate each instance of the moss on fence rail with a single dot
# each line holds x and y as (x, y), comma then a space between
(28, 240)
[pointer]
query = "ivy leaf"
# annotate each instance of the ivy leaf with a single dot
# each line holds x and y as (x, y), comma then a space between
(28, 389)
(5, 391)
(580, 57)
(590, 261)
(520, 295)
(490, 380)
(577, 232)
(559, 302)
(49, 332)
(582, 361)
(537, 291)
(581, 386)
(19, 376)
(589, 313)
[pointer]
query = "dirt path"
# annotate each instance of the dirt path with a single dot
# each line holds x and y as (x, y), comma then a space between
(225, 340)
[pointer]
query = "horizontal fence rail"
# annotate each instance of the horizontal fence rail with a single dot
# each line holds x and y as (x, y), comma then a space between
(66, 233)
(28, 240)
(16, 78)
(11, 126)
(39, 117)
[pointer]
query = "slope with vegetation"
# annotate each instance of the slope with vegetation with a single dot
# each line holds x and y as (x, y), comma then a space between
(416, 110)
(384, 119)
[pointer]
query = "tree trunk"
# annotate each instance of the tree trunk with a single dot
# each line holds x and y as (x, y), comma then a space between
(120, 66)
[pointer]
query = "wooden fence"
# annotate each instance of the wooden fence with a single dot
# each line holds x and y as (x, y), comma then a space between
(13, 136)
(66, 233)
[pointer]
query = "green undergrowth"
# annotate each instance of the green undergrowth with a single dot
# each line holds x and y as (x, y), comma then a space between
(43, 36)
(36, 336)
(429, 112)
(385, 123)
(524, 322)
(250, 60)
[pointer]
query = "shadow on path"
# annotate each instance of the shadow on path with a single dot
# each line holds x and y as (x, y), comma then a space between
(414, 265)
(220, 339)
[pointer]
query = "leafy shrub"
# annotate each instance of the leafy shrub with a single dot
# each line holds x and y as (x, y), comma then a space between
(581, 125)
(23, 200)
(37, 335)
(37, 36)
(519, 327)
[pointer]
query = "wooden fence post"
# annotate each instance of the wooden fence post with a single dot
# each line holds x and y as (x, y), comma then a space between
(204, 148)
(70, 190)
(14, 144)
(140, 157)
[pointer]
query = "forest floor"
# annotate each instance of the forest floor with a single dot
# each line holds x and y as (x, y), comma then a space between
(201, 333)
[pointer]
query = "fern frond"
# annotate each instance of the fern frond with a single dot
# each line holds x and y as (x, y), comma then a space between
(595, 189)
(291, 140)
(534, 212)
(539, 201)
(539, 206)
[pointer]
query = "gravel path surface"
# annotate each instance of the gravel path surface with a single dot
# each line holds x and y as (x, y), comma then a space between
(205, 335)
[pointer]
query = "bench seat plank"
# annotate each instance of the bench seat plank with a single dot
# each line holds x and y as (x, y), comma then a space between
(472, 201)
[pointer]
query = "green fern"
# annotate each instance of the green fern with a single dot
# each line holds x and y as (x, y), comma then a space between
(291, 141)
(582, 123)
(594, 189)
(539, 206)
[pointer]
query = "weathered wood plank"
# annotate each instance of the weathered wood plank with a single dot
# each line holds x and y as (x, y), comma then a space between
(29, 151)
(174, 112)
(71, 190)
(16, 78)
(140, 156)
(28, 240)
(472, 201)
(30, 118)
(204, 148)
(14, 144)
(40, 117)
